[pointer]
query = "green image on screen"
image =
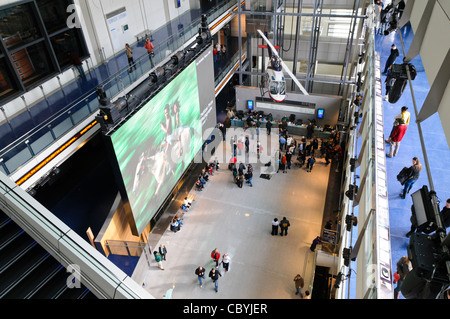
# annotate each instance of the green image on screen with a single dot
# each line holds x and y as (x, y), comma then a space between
(156, 145)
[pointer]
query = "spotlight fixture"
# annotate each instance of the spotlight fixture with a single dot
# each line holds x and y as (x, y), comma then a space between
(346, 252)
(350, 221)
(352, 190)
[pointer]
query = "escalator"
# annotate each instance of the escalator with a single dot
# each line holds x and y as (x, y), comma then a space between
(28, 271)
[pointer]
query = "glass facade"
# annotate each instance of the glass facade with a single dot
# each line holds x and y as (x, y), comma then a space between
(35, 44)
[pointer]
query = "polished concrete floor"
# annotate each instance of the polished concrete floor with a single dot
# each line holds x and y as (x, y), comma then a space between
(237, 221)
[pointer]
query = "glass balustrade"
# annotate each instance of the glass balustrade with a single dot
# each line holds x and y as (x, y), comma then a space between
(20, 152)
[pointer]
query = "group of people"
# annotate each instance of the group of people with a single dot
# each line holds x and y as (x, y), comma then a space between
(214, 273)
(203, 178)
(160, 255)
(383, 15)
(238, 172)
(219, 52)
(284, 224)
(148, 45)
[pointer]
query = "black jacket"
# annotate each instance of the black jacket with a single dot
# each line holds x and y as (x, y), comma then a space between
(214, 276)
(200, 273)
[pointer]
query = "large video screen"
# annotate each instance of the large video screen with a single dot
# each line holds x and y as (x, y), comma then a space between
(155, 146)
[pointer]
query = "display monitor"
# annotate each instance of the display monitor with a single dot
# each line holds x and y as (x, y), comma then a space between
(250, 105)
(156, 145)
(320, 113)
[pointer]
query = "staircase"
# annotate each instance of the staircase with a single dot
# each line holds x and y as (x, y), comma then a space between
(28, 271)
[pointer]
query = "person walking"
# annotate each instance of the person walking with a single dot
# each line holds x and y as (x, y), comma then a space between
(315, 242)
(215, 255)
(283, 163)
(299, 283)
(284, 225)
(396, 137)
(200, 272)
(392, 57)
(415, 169)
(214, 274)
(158, 259)
(275, 224)
(129, 52)
(162, 251)
(149, 46)
(226, 262)
(310, 163)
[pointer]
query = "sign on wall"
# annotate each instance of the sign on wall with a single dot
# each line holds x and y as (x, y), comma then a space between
(118, 27)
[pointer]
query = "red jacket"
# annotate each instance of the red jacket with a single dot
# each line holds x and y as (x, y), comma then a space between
(398, 133)
(149, 46)
(215, 256)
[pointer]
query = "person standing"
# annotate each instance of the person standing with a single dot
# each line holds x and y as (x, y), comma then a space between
(158, 259)
(309, 131)
(284, 225)
(445, 214)
(163, 251)
(226, 262)
(215, 55)
(315, 242)
(247, 145)
(299, 283)
(129, 52)
(275, 224)
(392, 57)
(215, 255)
(415, 169)
(149, 46)
(405, 115)
(403, 267)
(214, 274)
(396, 137)
(268, 127)
(200, 272)
(282, 142)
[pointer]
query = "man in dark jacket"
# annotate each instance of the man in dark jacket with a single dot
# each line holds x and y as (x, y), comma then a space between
(200, 272)
(392, 57)
(214, 274)
(284, 225)
(445, 214)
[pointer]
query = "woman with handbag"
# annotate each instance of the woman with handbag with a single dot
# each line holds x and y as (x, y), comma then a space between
(415, 173)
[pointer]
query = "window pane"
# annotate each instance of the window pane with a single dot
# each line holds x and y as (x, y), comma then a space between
(18, 26)
(65, 43)
(54, 14)
(32, 64)
(6, 85)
